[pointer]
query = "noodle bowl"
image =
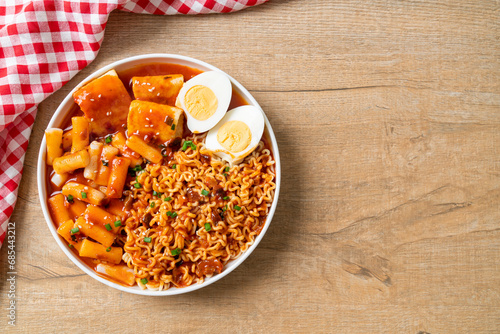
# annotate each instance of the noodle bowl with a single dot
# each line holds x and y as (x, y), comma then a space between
(191, 219)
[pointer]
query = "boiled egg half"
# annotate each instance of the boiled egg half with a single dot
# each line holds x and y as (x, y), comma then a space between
(205, 100)
(237, 134)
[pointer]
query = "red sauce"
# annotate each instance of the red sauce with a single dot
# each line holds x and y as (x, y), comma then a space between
(193, 196)
(208, 267)
(205, 159)
(156, 69)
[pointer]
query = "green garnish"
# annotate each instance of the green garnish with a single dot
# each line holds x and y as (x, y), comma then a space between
(208, 227)
(237, 208)
(75, 230)
(70, 245)
(167, 199)
(137, 185)
(108, 139)
(225, 174)
(84, 194)
(190, 144)
(138, 168)
(147, 239)
(176, 251)
(155, 193)
(118, 223)
(174, 166)
(108, 249)
(105, 163)
(204, 192)
(152, 204)
(226, 169)
(70, 198)
(225, 198)
(173, 126)
(171, 214)
(144, 281)
(108, 227)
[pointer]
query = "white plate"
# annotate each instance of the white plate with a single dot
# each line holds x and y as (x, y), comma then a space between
(65, 108)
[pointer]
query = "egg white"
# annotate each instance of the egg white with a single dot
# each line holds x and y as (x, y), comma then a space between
(220, 86)
(252, 117)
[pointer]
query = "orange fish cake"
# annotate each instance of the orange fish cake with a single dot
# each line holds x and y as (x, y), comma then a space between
(158, 88)
(105, 102)
(154, 120)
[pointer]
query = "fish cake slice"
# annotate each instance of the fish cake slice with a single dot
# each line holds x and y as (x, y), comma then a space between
(154, 121)
(105, 103)
(159, 88)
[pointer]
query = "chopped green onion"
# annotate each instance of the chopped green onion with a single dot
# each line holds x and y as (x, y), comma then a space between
(204, 192)
(108, 227)
(174, 166)
(225, 198)
(226, 169)
(108, 139)
(144, 281)
(108, 249)
(138, 168)
(152, 204)
(225, 174)
(75, 230)
(167, 199)
(84, 194)
(237, 208)
(70, 245)
(176, 251)
(174, 214)
(137, 185)
(173, 126)
(118, 223)
(208, 227)
(70, 198)
(147, 239)
(224, 208)
(105, 163)
(190, 144)
(155, 193)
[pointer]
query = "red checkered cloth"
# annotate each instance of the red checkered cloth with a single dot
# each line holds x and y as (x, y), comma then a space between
(43, 44)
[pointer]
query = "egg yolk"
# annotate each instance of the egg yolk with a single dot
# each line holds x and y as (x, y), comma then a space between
(234, 136)
(200, 102)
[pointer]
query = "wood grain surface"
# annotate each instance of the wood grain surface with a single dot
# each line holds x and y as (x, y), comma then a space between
(387, 115)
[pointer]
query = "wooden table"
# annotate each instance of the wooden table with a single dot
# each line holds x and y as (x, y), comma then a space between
(387, 115)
